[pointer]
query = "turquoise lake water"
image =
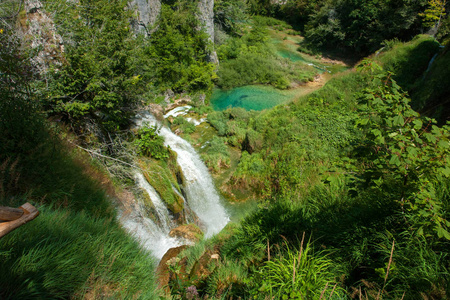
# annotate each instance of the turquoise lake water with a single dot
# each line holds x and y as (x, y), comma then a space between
(258, 97)
(252, 97)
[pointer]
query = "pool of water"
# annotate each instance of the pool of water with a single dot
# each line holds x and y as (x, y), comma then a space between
(252, 97)
(291, 55)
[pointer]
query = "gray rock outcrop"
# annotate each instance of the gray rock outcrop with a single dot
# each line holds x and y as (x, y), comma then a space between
(206, 17)
(146, 15)
(40, 33)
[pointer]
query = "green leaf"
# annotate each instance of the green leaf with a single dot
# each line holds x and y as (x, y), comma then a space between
(392, 134)
(445, 171)
(443, 233)
(398, 121)
(417, 124)
(420, 231)
(412, 152)
(376, 132)
(430, 137)
(443, 144)
(395, 160)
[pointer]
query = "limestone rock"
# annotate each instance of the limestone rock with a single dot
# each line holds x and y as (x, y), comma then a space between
(156, 110)
(206, 17)
(146, 15)
(40, 33)
(189, 232)
(163, 271)
(204, 266)
(178, 102)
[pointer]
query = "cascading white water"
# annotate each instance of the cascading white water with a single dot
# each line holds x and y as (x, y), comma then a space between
(160, 207)
(201, 194)
(151, 236)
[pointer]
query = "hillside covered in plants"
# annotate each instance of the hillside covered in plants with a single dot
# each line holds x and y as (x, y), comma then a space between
(321, 129)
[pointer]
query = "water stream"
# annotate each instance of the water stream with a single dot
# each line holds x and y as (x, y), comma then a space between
(200, 191)
(201, 197)
(151, 236)
(161, 210)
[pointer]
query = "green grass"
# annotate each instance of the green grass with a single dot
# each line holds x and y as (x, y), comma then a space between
(75, 248)
(62, 255)
(300, 171)
(408, 61)
(248, 69)
(252, 59)
(299, 274)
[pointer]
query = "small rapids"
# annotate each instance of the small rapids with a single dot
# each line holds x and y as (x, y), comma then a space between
(201, 197)
(200, 191)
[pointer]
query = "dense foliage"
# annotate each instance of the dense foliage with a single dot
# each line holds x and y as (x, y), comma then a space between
(357, 26)
(251, 59)
(98, 79)
(75, 248)
(149, 143)
(356, 187)
(177, 52)
(352, 184)
(107, 70)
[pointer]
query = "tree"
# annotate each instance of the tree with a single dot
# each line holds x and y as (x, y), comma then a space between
(97, 81)
(228, 14)
(435, 12)
(177, 53)
(361, 25)
(404, 156)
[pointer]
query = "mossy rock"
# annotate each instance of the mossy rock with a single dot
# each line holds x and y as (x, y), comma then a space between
(163, 181)
(189, 232)
(149, 206)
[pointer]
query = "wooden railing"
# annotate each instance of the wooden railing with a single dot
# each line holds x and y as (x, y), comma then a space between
(13, 218)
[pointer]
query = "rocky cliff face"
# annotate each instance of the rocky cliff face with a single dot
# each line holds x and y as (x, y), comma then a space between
(39, 32)
(146, 14)
(206, 17)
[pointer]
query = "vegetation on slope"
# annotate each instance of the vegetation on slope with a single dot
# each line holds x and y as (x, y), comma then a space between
(354, 169)
(353, 183)
(75, 248)
(251, 59)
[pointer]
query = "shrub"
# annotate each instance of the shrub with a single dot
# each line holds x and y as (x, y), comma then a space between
(149, 143)
(184, 125)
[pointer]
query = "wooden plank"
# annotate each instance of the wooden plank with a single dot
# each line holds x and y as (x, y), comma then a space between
(9, 213)
(29, 213)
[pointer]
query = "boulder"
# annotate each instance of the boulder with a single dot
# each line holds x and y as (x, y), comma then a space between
(204, 266)
(178, 102)
(163, 271)
(156, 110)
(189, 232)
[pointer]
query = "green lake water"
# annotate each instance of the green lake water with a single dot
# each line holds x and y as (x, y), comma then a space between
(252, 97)
(257, 97)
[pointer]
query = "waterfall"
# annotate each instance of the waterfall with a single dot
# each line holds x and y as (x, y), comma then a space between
(201, 197)
(201, 194)
(379, 51)
(429, 65)
(151, 236)
(160, 207)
